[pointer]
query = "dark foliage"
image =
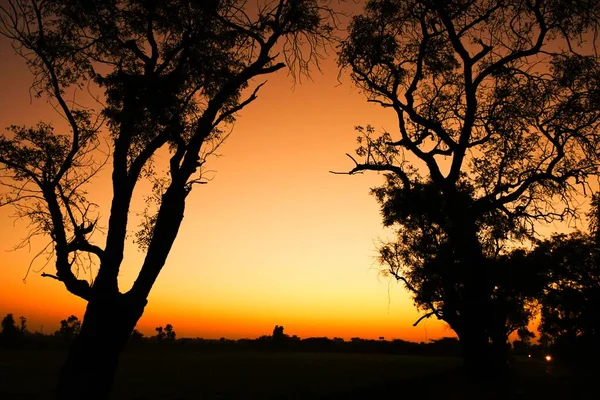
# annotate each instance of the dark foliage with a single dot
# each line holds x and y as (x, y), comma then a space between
(498, 119)
(10, 332)
(570, 304)
(165, 334)
(69, 328)
(172, 75)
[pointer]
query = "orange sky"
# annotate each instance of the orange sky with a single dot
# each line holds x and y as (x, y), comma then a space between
(273, 239)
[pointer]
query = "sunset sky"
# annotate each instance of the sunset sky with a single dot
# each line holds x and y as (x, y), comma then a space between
(274, 238)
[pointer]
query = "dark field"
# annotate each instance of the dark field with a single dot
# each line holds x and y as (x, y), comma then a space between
(192, 374)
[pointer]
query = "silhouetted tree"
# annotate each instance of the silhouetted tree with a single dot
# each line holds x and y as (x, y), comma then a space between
(160, 333)
(169, 332)
(69, 328)
(278, 339)
(8, 323)
(518, 285)
(22, 325)
(136, 336)
(522, 345)
(278, 332)
(9, 332)
(525, 336)
(166, 333)
(174, 75)
(498, 117)
(570, 304)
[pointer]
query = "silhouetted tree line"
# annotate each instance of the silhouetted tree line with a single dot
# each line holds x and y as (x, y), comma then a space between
(557, 278)
(10, 332)
(279, 341)
(568, 329)
(13, 335)
(440, 347)
(282, 342)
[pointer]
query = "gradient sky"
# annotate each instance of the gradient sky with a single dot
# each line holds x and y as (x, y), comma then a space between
(274, 238)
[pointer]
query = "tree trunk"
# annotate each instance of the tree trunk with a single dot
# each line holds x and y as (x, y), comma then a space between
(476, 311)
(475, 350)
(500, 352)
(485, 349)
(90, 367)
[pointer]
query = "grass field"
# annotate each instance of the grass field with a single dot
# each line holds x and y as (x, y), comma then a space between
(168, 374)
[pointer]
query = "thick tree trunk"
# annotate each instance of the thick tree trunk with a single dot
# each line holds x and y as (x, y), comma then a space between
(89, 370)
(483, 358)
(475, 350)
(500, 352)
(485, 349)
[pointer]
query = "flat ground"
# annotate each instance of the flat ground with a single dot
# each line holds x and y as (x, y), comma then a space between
(178, 374)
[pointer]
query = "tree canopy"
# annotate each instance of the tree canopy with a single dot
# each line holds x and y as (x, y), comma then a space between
(498, 117)
(570, 300)
(172, 76)
(69, 327)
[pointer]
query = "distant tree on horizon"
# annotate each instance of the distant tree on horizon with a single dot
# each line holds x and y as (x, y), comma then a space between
(525, 336)
(173, 76)
(166, 333)
(498, 113)
(170, 332)
(10, 331)
(160, 333)
(69, 327)
(136, 336)
(278, 332)
(22, 325)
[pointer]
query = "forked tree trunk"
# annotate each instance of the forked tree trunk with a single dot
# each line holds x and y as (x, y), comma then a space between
(89, 371)
(91, 364)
